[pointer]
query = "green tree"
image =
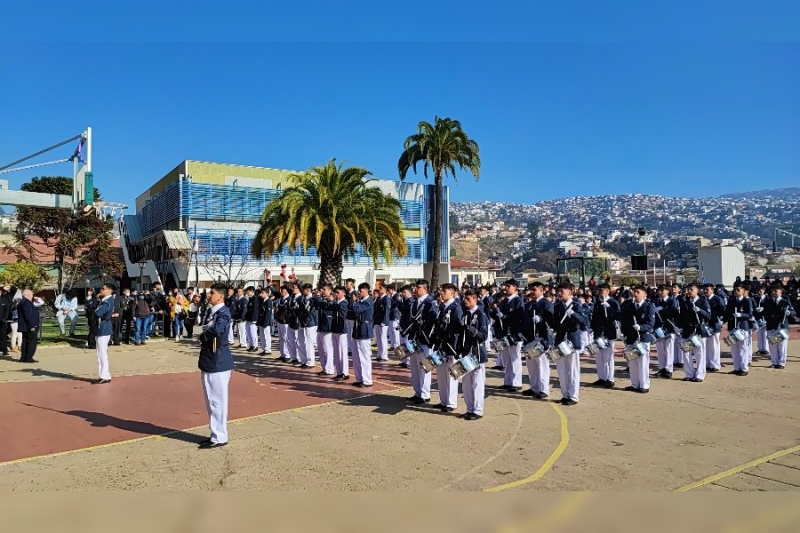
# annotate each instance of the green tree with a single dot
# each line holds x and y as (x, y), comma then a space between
(441, 146)
(334, 209)
(24, 275)
(76, 242)
(534, 230)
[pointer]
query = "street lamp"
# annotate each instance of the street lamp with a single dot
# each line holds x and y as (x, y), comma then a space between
(142, 264)
(642, 233)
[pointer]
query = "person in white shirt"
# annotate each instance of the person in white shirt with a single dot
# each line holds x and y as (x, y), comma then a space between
(67, 307)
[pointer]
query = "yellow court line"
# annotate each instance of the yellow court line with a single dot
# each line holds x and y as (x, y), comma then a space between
(737, 469)
(550, 460)
(163, 435)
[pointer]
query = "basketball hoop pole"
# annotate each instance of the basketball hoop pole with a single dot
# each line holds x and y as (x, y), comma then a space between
(83, 192)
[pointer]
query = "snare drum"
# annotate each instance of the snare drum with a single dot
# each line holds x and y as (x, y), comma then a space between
(690, 344)
(432, 361)
(660, 334)
(561, 351)
(599, 344)
(463, 366)
(534, 349)
(635, 351)
(406, 350)
(761, 323)
(499, 345)
(731, 340)
(778, 337)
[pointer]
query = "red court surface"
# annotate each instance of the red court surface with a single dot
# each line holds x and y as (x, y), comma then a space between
(45, 417)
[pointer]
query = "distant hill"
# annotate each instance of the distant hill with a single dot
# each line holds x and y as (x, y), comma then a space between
(765, 193)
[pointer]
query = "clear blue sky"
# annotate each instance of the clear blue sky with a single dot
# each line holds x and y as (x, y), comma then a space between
(587, 97)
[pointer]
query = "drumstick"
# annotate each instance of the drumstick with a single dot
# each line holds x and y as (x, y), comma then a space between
(565, 313)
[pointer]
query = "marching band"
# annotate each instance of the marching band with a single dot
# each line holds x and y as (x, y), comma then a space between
(449, 333)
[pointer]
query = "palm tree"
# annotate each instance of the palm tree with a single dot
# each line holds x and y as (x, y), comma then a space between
(334, 209)
(441, 145)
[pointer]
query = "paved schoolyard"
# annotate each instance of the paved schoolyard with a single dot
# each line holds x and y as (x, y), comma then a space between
(294, 430)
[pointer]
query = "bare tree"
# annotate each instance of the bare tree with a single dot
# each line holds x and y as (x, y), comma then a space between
(233, 266)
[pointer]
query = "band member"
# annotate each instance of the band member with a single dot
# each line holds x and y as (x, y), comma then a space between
(308, 329)
(777, 311)
(420, 330)
(761, 335)
(382, 321)
(396, 300)
(566, 322)
(678, 296)
(510, 313)
(361, 307)
(638, 318)
(293, 337)
(350, 289)
(538, 313)
(717, 305)
(405, 319)
(282, 319)
(448, 327)
(265, 320)
(694, 315)
(474, 331)
(485, 304)
(104, 314)
(738, 314)
(325, 307)
(251, 319)
(241, 321)
(341, 341)
(605, 316)
(667, 312)
(216, 364)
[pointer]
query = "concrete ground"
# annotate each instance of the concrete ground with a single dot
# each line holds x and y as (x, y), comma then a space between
(292, 430)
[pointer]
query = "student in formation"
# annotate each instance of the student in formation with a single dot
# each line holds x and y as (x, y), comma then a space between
(638, 318)
(694, 315)
(676, 291)
(509, 312)
(448, 327)
(738, 314)
(605, 316)
(338, 309)
(308, 328)
(666, 318)
(475, 329)
(717, 305)
(282, 322)
(538, 313)
(396, 300)
(567, 319)
(405, 319)
(423, 322)
(104, 312)
(777, 311)
(362, 308)
(761, 335)
(265, 320)
(251, 315)
(382, 321)
(325, 307)
(294, 335)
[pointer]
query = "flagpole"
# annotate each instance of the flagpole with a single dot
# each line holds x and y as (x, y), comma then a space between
(195, 250)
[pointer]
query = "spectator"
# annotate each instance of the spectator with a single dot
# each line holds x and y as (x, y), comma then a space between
(67, 307)
(141, 314)
(194, 314)
(16, 336)
(178, 309)
(29, 326)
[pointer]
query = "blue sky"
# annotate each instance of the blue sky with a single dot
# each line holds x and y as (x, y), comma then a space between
(584, 98)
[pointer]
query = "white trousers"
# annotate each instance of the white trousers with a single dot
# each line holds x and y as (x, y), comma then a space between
(382, 334)
(742, 354)
(569, 375)
(230, 336)
(538, 374)
(584, 341)
(291, 342)
(265, 339)
(325, 348)
(252, 335)
(512, 357)
(665, 348)
(242, 330)
(604, 359)
(215, 389)
(351, 342)
(305, 345)
(420, 380)
(102, 356)
(712, 352)
(394, 334)
(474, 386)
(489, 337)
(699, 355)
(340, 359)
(777, 352)
(362, 361)
(761, 336)
(639, 370)
(678, 357)
(283, 340)
(448, 387)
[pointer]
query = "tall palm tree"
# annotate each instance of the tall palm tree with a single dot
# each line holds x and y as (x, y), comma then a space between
(442, 145)
(334, 209)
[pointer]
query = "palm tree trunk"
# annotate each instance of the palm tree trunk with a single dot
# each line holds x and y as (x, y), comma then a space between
(438, 218)
(330, 266)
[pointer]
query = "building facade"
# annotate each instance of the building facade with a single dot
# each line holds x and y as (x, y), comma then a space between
(195, 226)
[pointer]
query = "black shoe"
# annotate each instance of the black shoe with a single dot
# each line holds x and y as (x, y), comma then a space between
(667, 375)
(305, 366)
(473, 416)
(264, 353)
(209, 445)
(736, 372)
(323, 373)
(29, 361)
(677, 365)
(542, 395)
(631, 388)
(295, 362)
(609, 384)
(504, 387)
(712, 370)
(358, 384)
(688, 379)
(780, 367)
(413, 398)
(696, 380)
(642, 391)
(743, 372)
(420, 401)
(599, 383)
(447, 409)
(403, 365)
(499, 367)
(464, 415)
(528, 392)
(205, 441)
(101, 381)
(569, 401)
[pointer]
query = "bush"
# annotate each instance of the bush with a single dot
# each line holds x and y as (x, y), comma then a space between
(24, 275)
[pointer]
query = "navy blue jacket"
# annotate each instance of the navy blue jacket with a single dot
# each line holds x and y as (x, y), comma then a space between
(216, 336)
(542, 308)
(253, 310)
(689, 323)
(570, 328)
(240, 308)
(397, 303)
(474, 331)
(448, 327)
(282, 310)
(405, 314)
(604, 318)
(644, 315)
(667, 312)
(324, 312)
(27, 315)
(338, 312)
(294, 310)
(103, 314)
(382, 313)
(775, 313)
(306, 313)
(509, 312)
(264, 312)
(717, 305)
(362, 310)
(744, 307)
(423, 321)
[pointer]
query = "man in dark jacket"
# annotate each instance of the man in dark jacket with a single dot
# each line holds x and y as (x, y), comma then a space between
(361, 307)
(537, 314)
(90, 306)
(448, 328)
(695, 313)
(382, 321)
(216, 364)
(325, 308)
(105, 329)
(28, 317)
(5, 313)
(666, 318)
(251, 314)
(638, 317)
(264, 322)
(566, 322)
(475, 328)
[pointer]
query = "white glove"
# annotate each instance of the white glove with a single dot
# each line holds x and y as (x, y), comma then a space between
(787, 312)
(570, 312)
(606, 304)
(537, 319)
(695, 309)
(659, 309)
(759, 309)
(737, 315)
(636, 327)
